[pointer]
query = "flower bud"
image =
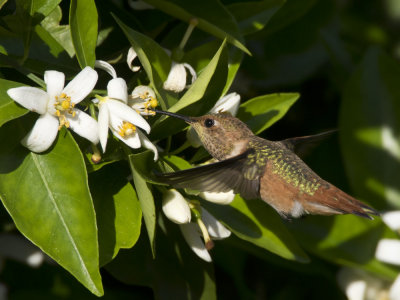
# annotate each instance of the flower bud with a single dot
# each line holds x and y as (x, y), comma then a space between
(175, 207)
(176, 80)
(388, 251)
(219, 198)
(229, 103)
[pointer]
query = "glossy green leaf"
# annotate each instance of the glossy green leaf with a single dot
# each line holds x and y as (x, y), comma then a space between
(83, 25)
(252, 16)
(9, 109)
(211, 15)
(256, 222)
(369, 129)
(346, 240)
(261, 112)
(146, 202)
(47, 196)
(118, 212)
(176, 272)
(154, 59)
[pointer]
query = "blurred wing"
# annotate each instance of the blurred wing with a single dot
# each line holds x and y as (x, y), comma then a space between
(223, 176)
(304, 144)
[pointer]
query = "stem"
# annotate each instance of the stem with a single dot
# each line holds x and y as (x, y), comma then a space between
(207, 240)
(192, 24)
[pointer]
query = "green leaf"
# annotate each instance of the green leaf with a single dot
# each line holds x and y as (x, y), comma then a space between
(369, 129)
(176, 272)
(252, 16)
(9, 109)
(154, 59)
(83, 24)
(47, 196)
(261, 112)
(146, 201)
(258, 223)
(345, 240)
(211, 15)
(118, 211)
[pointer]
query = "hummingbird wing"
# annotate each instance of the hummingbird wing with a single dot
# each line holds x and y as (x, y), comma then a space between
(234, 174)
(303, 144)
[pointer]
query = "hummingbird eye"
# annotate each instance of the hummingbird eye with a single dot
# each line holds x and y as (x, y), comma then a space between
(209, 123)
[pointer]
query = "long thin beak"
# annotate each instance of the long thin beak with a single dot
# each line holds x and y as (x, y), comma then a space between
(182, 117)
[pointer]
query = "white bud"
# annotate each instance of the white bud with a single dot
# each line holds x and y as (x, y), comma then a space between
(214, 227)
(219, 198)
(388, 251)
(392, 219)
(191, 234)
(175, 207)
(176, 80)
(229, 103)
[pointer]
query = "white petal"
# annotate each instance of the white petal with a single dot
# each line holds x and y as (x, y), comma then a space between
(54, 83)
(394, 293)
(85, 126)
(129, 59)
(175, 207)
(31, 98)
(392, 219)
(143, 91)
(101, 64)
(83, 83)
(352, 284)
(191, 71)
(147, 144)
(176, 80)
(192, 237)
(388, 251)
(193, 137)
(126, 113)
(229, 103)
(42, 135)
(103, 121)
(132, 141)
(117, 89)
(219, 198)
(214, 227)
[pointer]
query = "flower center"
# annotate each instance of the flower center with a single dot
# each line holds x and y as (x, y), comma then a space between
(126, 129)
(149, 103)
(64, 107)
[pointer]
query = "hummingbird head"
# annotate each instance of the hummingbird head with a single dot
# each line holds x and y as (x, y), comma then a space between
(219, 133)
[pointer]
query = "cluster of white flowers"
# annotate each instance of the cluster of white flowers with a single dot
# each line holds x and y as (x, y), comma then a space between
(57, 108)
(198, 234)
(359, 285)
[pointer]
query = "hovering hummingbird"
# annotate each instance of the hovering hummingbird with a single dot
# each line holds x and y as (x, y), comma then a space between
(258, 168)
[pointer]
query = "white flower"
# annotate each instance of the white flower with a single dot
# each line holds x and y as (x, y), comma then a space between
(142, 99)
(208, 226)
(359, 285)
(130, 58)
(219, 198)
(176, 207)
(57, 108)
(388, 251)
(114, 113)
(176, 80)
(228, 103)
(392, 219)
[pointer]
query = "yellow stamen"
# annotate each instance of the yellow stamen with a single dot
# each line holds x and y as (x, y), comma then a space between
(126, 129)
(64, 106)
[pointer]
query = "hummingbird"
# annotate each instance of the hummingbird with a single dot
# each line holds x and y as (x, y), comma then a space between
(258, 168)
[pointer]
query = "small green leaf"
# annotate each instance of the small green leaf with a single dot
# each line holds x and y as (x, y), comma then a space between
(261, 112)
(146, 202)
(252, 16)
(47, 196)
(369, 129)
(154, 59)
(258, 223)
(118, 211)
(211, 15)
(83, 24)
(9, 109)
